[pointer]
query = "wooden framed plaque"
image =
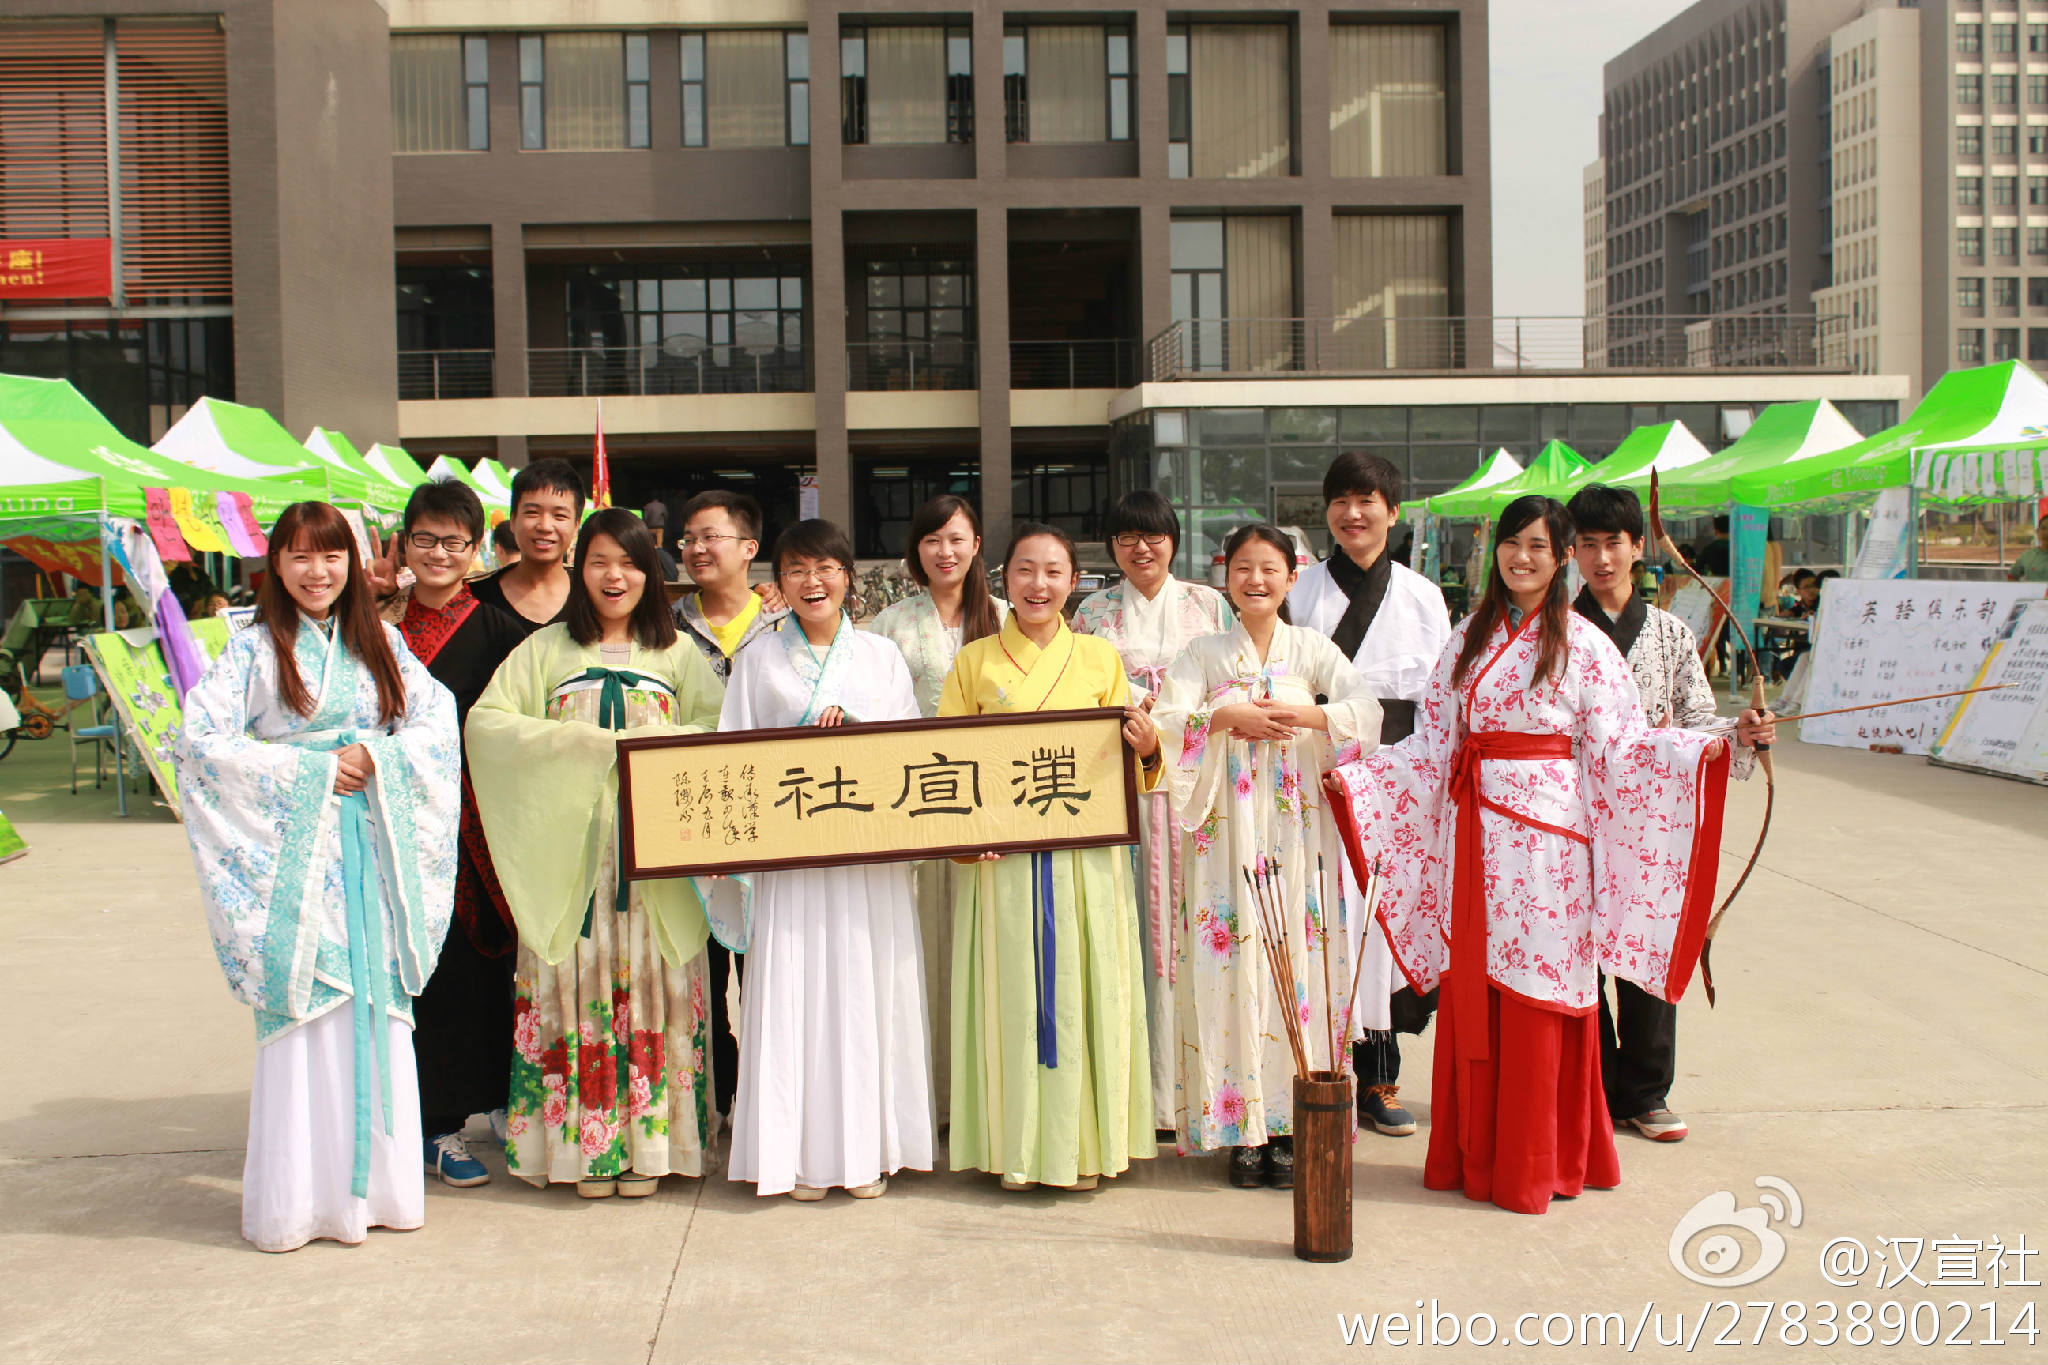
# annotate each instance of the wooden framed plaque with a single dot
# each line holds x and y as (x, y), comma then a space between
(891, 791)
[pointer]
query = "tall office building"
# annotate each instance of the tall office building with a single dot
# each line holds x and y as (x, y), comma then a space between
(1873, 171)
(1710, 142)
(1593, 202)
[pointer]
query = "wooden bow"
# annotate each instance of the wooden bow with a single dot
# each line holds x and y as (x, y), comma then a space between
(1756, 701)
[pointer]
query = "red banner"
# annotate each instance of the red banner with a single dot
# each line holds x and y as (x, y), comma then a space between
(57, 268)
(78, 558)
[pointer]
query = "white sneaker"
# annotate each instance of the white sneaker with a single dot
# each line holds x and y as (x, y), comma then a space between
(499, 1125)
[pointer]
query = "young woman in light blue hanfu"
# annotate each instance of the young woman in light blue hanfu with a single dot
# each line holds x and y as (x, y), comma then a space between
(320, 779)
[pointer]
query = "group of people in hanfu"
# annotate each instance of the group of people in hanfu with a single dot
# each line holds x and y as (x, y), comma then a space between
(403, 807)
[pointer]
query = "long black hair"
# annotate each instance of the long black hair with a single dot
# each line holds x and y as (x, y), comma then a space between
(1555, 629)
(977, 604)
(651, 624)
(1271, 535)
(317, 527)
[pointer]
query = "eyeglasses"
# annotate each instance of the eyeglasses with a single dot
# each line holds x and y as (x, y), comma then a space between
(823, 574)
(454, 545)
(709, 539)
(1131, 540)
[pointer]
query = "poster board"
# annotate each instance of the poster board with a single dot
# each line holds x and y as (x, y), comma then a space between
(130, 665)
(1887, 546)
(2006, 732)
(891, 791)
(1882, 638)
(1695, 606)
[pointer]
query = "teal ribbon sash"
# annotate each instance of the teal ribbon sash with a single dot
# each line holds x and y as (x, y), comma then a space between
(611, 715)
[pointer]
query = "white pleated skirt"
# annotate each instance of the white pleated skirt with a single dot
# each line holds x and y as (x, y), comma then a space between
(835, 1055)
(302, 1135)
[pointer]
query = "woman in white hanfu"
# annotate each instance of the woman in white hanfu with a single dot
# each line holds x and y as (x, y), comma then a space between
(1246, 746)
(320, 778)
(929, 627)
(1151, 617)
(611, 1072)
(1532, 833)
(835, 1071)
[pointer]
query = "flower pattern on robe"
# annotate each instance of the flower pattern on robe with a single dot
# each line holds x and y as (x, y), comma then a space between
(1597, 870)
(1240, 805)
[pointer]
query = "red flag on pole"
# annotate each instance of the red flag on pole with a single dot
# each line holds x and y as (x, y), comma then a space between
(600, 470)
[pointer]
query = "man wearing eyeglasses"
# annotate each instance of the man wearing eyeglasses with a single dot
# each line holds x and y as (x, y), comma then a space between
(720, 537)
(462, 1026)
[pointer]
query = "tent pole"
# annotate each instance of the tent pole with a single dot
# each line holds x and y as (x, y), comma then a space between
(107, 610)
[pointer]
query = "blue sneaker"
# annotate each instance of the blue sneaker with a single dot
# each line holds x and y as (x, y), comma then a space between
(448, 1157)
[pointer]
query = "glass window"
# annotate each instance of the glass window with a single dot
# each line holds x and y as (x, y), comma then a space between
(2005, 343)
(2005, 241)
(2005, 140)
(693, 90)
(2005, 38)
(2037, 91)
(1230, 426)
(1302, 426)
(959, 85)
(709, 328)
(1969, 38)
(1969, 292)
(798, 115)
(2037, 292)
(1970, 243)
(2005, 292)
(1970, 346)
(1969, 89)
(476, 86)
(1233, 476)
(1508, 426)
(2037, 343)
(2037, 241)
(2005, 190)
(1969, 141)
(1197, 243)
(636, 90)
(1373, 424)
(853, 86)
(1117, 58)
(1016, 92)
(2005, 89)
(1597, 424)
(1179, 111)
(1445, 424)
(532, 85)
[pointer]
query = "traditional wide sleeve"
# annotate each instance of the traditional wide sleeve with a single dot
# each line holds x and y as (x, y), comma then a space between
(1191, 757)
(1352, 713)
(1692, 697)
(416, 796)
(737, 711)
(956, 696)
(547, 792)
(260, 821)
(1655, 800)
(891, 694)
(1115, 690)
(1392, 813)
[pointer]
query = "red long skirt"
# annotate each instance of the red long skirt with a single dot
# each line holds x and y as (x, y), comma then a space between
(1528, 1123)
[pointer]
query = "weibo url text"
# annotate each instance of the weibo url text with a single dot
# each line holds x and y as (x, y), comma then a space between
(1714, 1322)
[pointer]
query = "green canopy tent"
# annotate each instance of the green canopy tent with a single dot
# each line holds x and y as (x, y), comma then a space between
(444, 468)
(395, 465)
(247, 442)
(2005, 460)
(1463, 501)
(82, 465)
(494, 481)
(334, 449)
(1782, 435)
(1664, 447)
(1961, 406)
(1552, 466)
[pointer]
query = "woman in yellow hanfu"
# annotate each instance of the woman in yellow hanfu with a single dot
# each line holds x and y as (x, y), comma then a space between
(1051, 1073)
(611, 1068)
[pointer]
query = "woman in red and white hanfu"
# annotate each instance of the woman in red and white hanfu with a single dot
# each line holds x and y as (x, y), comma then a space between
(1533, 832)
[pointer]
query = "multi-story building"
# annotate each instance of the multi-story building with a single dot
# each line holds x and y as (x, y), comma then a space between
(1872, 218)
(1709, 143)
(1593, 204)
(857, 252)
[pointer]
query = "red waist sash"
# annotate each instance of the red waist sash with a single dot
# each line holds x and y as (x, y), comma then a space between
(1468, 896)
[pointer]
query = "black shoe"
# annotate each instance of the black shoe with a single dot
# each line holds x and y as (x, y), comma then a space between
(1380, 1111)
(1280, 1163)
(1247, 1169)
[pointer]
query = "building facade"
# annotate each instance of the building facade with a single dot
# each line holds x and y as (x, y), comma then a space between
(237, 154)
(1593, 204)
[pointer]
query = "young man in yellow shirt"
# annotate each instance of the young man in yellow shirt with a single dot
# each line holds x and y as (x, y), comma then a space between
(721, 535)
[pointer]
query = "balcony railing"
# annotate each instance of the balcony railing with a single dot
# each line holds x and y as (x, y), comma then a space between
(1241, 346)
(444, 374)
(1107, 364)
(680, 365)
(948, 363)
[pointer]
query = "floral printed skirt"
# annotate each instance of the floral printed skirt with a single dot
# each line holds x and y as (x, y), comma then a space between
(611, 1064)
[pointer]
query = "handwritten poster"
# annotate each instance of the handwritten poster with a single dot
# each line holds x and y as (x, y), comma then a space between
(1885, 638)
(1695, 606)
(888, 792)
(2006, 732)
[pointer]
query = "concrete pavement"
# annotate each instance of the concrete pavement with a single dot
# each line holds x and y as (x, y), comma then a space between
(1877, 1046)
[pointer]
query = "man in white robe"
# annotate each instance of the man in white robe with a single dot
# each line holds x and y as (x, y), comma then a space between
(1393, 624)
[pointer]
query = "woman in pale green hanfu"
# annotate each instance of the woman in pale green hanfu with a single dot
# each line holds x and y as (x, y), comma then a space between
(1052, 1080)
(611, 1064)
